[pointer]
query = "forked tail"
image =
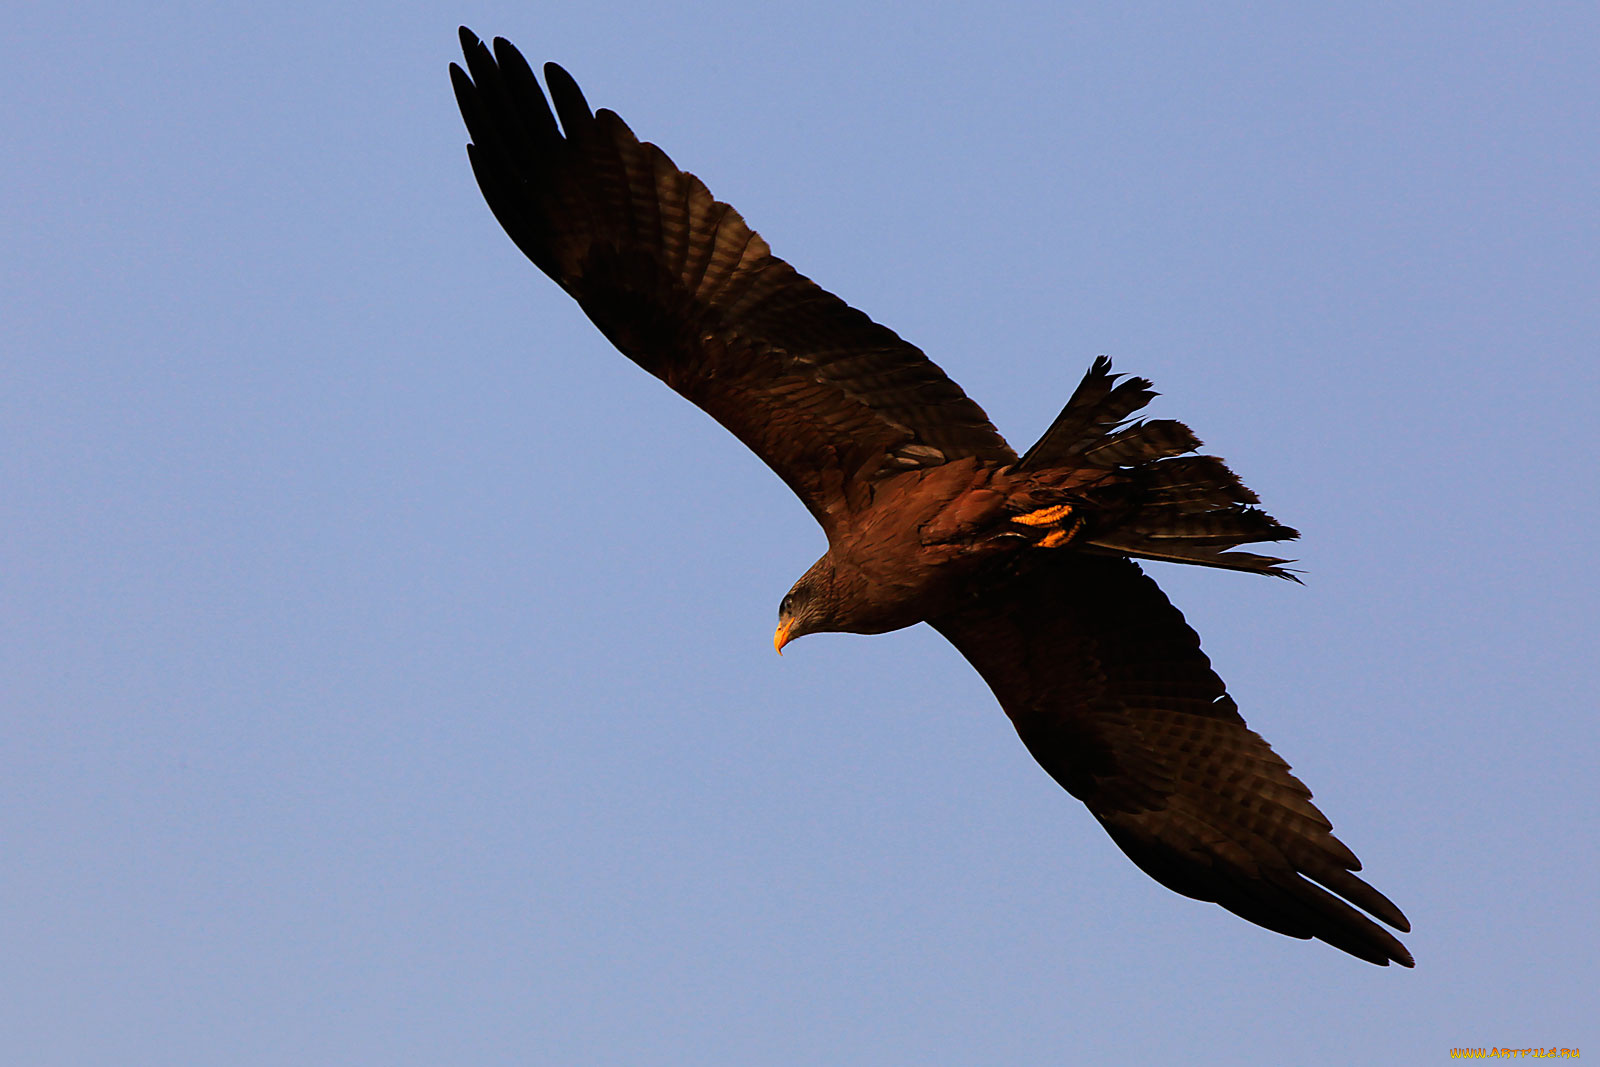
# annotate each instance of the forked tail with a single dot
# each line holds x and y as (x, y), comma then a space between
(1156, 501)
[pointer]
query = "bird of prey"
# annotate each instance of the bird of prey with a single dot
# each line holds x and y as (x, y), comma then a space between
(1024, 563)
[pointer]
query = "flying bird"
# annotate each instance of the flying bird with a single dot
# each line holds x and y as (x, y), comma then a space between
(1024, 563)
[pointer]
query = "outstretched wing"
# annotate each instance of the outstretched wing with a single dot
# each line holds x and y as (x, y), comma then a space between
(678, 282)
(1109, 690)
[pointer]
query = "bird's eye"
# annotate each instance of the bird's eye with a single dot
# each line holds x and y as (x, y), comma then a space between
(787, 606)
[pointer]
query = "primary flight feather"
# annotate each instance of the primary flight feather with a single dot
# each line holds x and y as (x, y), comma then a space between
(1022, 563)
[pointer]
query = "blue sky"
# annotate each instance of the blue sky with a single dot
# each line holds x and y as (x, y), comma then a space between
(388, 661)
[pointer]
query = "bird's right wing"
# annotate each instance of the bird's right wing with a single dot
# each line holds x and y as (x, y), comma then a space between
(678, 282)
(1109, 690)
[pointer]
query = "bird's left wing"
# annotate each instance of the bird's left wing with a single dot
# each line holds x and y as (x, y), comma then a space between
(678, 282)
(1108, 688)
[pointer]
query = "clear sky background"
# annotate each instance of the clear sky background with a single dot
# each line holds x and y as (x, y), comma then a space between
(387, 662)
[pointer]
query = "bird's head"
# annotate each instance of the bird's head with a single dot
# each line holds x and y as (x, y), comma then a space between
(806, 607)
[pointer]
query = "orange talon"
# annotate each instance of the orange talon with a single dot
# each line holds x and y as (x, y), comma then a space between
(1044, 516)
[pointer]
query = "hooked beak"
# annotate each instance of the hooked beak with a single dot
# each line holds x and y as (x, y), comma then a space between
(781, 638)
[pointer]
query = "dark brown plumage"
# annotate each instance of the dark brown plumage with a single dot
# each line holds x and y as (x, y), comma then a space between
(1021, 563)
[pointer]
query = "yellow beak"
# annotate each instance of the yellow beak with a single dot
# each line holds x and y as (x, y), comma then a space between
(781, 638)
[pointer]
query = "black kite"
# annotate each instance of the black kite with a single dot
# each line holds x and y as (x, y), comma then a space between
(1022, 563)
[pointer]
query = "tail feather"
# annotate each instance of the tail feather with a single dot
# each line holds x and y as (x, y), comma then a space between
(1143, 442)
(1196, 474)
(1157, 502)
(1226, 527)
(1098, 407)
(1200, 556)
